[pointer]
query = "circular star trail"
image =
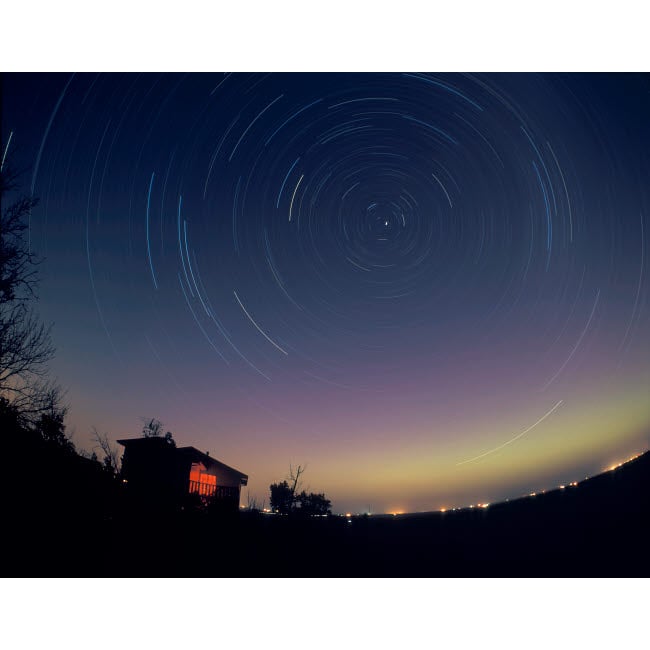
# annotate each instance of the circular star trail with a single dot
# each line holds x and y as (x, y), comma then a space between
(430, 287)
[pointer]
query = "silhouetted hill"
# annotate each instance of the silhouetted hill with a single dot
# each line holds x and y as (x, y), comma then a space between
(598, 528)
(67, 517)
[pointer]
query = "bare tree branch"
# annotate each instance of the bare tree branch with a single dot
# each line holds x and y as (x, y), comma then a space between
(111, 455)
(294, 478)
(25, 342)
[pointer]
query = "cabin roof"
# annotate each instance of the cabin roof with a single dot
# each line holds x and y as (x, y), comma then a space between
(198, 456)
(190, 453)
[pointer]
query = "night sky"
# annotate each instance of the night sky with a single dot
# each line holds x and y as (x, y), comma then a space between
(431, 289)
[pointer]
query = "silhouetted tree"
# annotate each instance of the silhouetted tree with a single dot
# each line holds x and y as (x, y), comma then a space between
(252, 504)
(314, 504)
(285, 498)
(283, 495)
(152, 428)
(25, 342)
(111, 460)
(51, 426)
(294, 479)
(281, 498)
(9, 417)
(18, 278)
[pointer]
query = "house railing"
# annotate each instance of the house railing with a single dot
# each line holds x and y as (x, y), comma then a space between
(216, 491)
(226, 492)
(203, 489)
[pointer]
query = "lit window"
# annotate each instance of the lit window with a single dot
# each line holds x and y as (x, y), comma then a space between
(201, 482)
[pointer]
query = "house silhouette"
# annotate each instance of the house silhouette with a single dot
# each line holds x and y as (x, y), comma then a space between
(159, 473)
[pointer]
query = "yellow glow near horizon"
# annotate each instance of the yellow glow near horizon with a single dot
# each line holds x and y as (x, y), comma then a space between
(570, 436)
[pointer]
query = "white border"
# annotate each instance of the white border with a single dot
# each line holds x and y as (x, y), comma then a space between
(324, 613)
(293, 35)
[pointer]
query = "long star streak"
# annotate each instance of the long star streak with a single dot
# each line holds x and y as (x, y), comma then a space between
(294, 196)
(509, 442)
(575, 347)
(259, 329)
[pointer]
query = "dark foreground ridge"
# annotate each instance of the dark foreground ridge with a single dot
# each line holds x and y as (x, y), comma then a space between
(65, 517)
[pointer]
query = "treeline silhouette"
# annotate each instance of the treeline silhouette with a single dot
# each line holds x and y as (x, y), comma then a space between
(54, 494)
(286, 498)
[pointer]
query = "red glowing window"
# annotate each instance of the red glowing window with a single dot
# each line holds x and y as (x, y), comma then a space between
(201, 482)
